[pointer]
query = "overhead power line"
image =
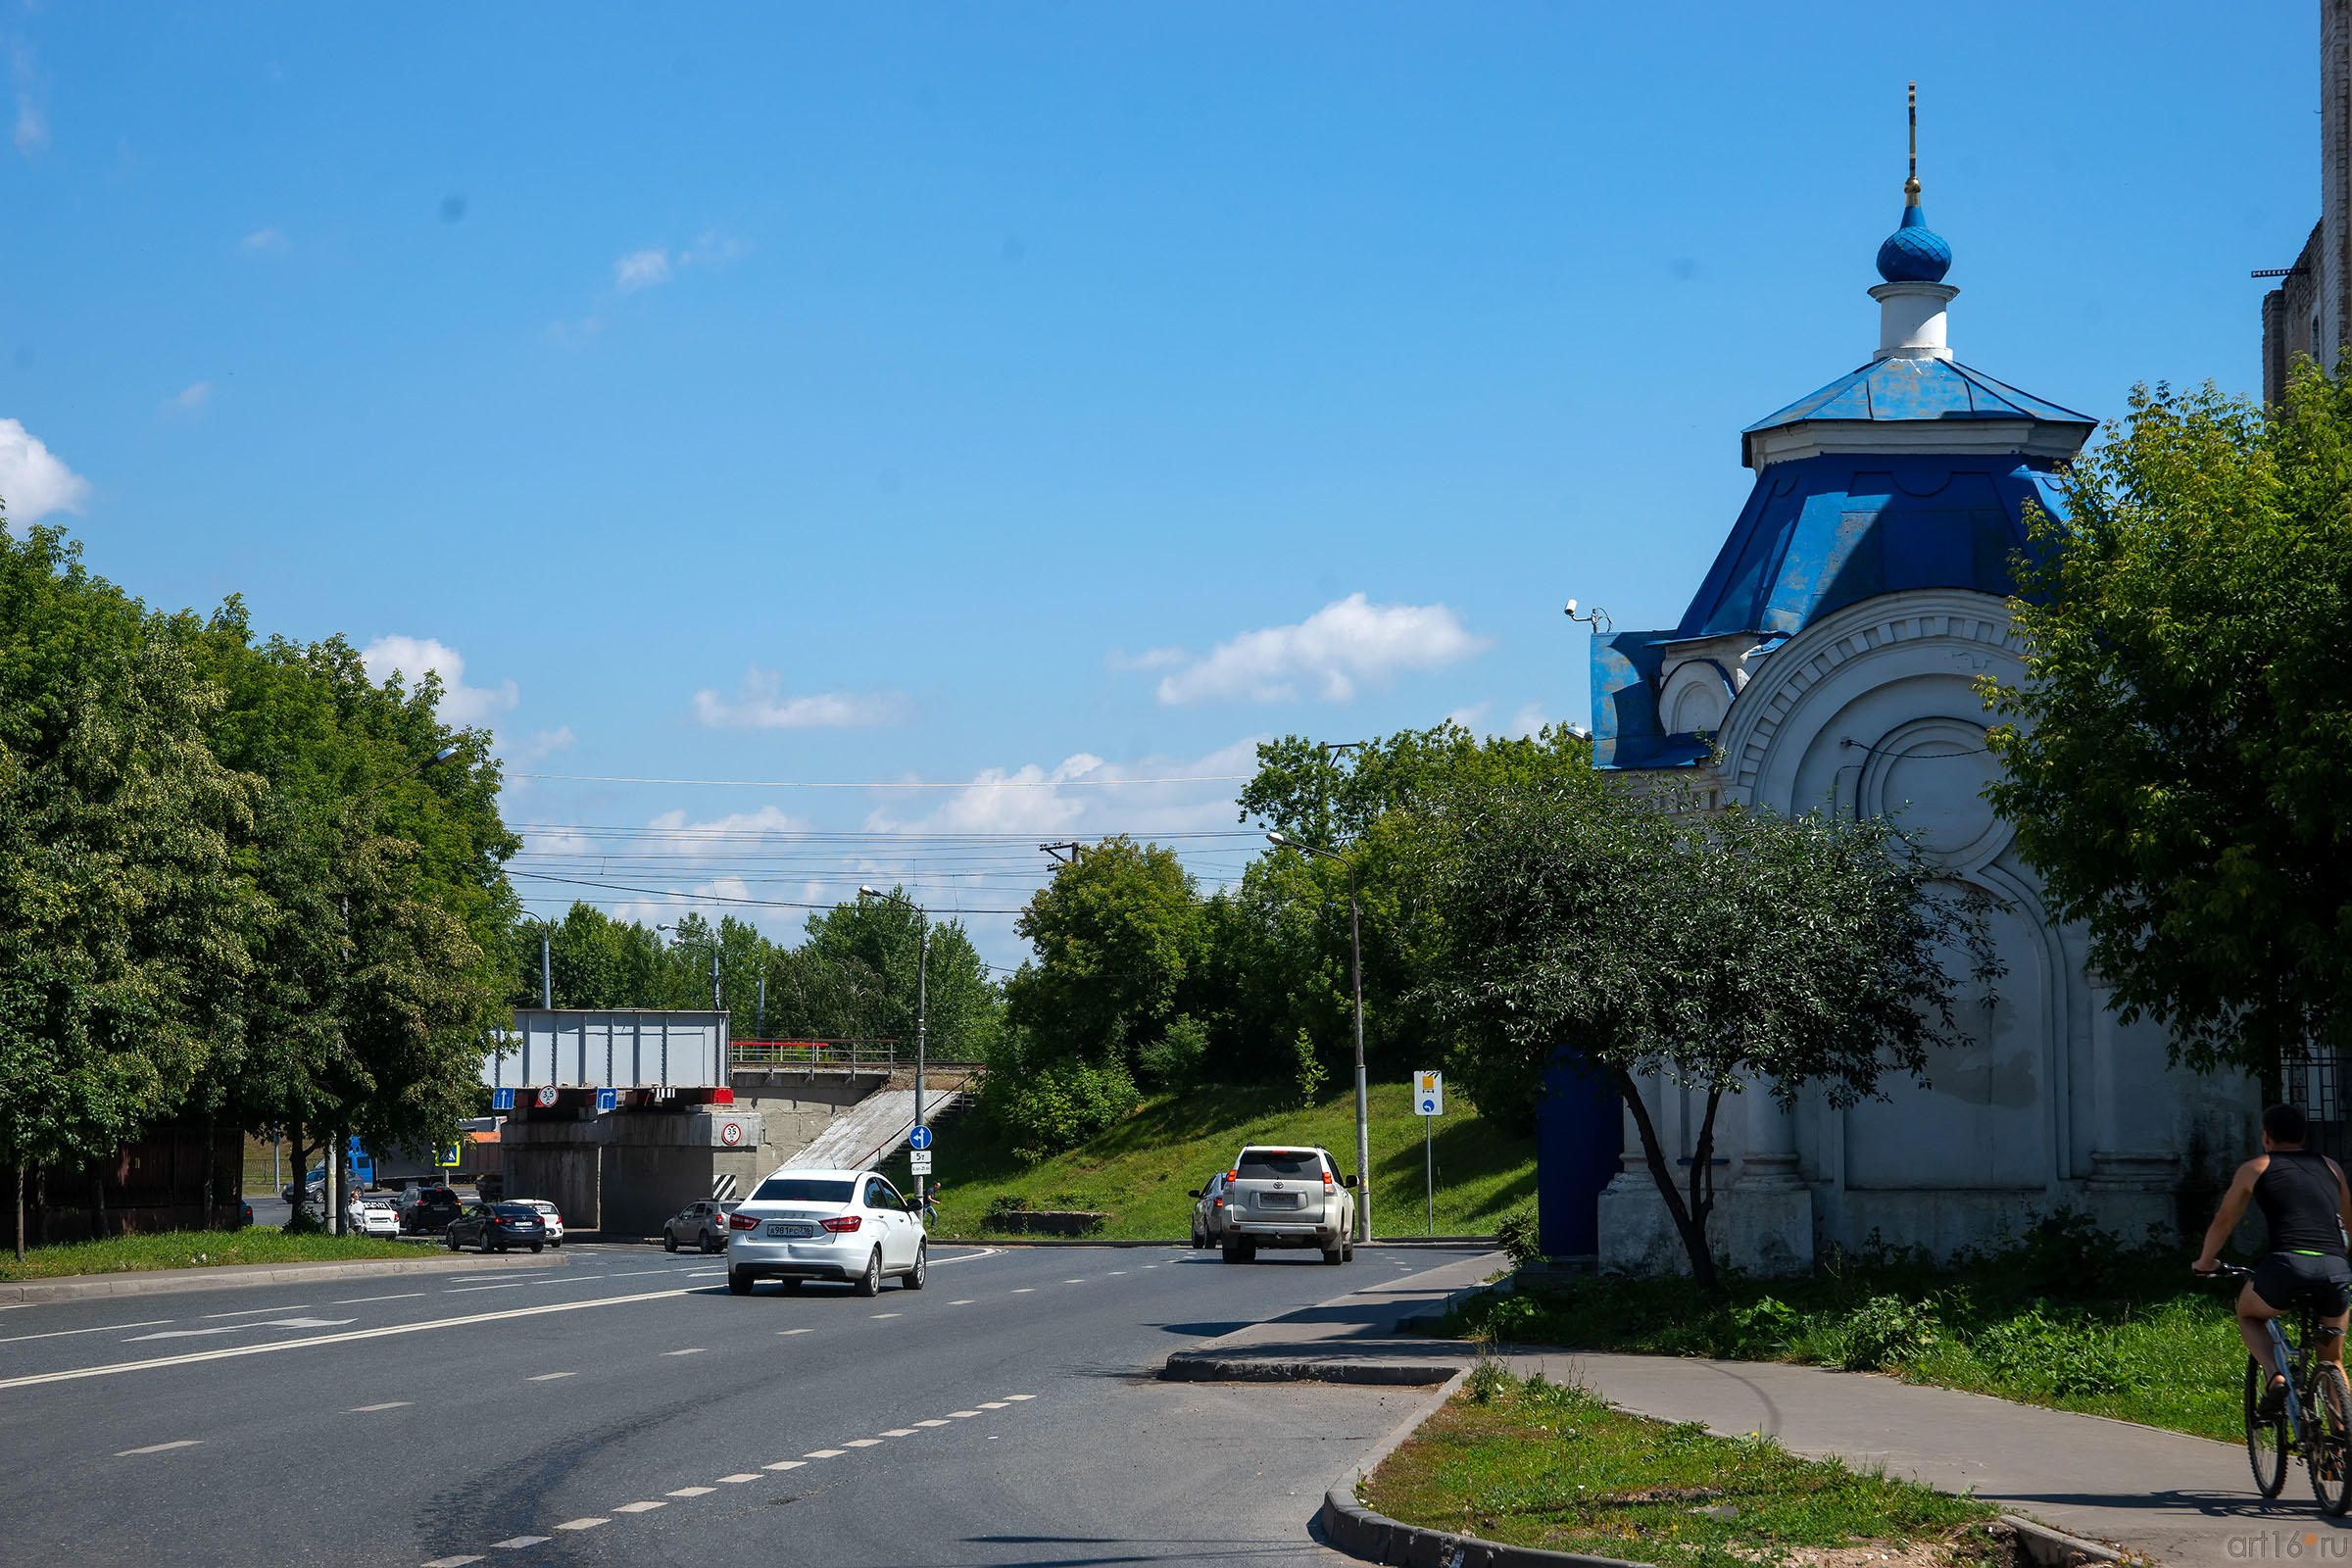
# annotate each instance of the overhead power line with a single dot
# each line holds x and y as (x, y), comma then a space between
(719, 897)
(895, 784)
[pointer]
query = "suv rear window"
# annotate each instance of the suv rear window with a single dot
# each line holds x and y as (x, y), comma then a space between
(1279, 1164)
(795, 1190)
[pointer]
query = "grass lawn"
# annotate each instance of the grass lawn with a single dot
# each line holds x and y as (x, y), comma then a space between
(1139, 1170)
(1540, 1464)
(195, 1249)
(2064, 1318)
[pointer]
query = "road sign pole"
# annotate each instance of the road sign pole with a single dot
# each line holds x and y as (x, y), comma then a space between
(1429, 1174)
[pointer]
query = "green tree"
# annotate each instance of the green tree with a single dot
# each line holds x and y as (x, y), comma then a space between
(1715, 951)
(2175, 757)
(1117, 932)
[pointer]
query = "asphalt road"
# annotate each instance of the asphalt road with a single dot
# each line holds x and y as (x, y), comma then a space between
(627, 1410)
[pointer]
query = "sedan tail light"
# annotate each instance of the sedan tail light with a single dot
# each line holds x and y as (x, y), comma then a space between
(841, 1224)
(743, 1222)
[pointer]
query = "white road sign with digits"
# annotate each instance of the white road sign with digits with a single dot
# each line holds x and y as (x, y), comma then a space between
(1429, 1094)
(918, 1163)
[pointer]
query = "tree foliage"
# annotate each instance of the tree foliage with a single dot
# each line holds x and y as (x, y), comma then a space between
(2175, 757)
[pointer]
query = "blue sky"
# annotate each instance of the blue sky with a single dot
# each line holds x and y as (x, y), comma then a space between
(932, 393)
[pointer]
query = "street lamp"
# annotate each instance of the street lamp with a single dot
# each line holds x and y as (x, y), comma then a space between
(922, 995)
(1356, 966)
(717, 997)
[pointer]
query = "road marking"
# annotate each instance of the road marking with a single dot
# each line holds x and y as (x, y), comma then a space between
(961, 1415)
(516, 1542)
(159, 1447)
(695, 1350)
(257, 1312)
(993, 1404)
(732, 1480)
(930, 1423)
(704, 1273)
(1117, 1272)
(550, 1377)
(796, 1330)
(890, 1315)
(647, 1506)
(59, 1333)
(357, 1301)
(783, 1464)
(510, 1285)
(697, 1491)
(863, 1442)
(1019, 1397)
(967, 1301)
(1073, 1282)
(967, 1258)
(825, 1453)
(633, 1273)
(74, 1373)
(582, 1524)
(185, 1334)
(453, 1562)
(1023, 1290)
(899, 1432)
(301, 1323)
(580, 1277)
(388, 1405)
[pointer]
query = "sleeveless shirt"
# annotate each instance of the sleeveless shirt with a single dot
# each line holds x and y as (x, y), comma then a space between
(2297, 1196)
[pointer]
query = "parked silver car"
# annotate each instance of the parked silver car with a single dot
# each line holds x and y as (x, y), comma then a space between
(1209, 1210)
(700, 1224)
(1284, 1197)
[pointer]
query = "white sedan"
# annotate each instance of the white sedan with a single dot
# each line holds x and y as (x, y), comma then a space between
(375, 1220)
(548, 1216)
(848, 1225)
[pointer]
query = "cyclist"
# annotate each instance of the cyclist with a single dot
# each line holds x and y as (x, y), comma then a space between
(2308, 1209)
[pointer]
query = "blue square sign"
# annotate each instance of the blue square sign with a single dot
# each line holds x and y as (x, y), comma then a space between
(502, 1100)
(606, 1099)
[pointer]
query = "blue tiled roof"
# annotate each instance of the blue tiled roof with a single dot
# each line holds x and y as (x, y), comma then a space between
(1914, 253)
(1917, 389)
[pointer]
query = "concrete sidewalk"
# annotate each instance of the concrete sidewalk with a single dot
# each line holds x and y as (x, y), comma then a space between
(1349, 1338)
(2184, 1501)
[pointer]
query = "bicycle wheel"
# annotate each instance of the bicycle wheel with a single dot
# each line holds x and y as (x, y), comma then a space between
(2265, 1441)
(2330, 1439)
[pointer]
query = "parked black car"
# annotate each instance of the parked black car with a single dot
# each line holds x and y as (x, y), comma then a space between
(428, 1208)
(497, 1227)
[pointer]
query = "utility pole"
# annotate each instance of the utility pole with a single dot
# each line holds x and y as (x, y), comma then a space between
(716, 1003)
(923, 999)
(759, 1018)
(547, 977)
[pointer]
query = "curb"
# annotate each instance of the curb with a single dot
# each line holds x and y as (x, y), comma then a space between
(1357, 1531)
(235, 1276)
(1194, 1366)
(2055, 1549)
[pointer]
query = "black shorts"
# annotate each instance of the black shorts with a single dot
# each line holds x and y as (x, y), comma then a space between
(2289, 1282)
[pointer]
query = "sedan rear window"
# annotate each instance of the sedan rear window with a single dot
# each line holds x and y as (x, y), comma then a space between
(795, 1189)
(1279, 1164)
(515, 1210)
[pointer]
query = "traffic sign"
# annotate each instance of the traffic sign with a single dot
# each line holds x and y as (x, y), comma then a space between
(446, 1159)
(547, 1096)
(920, 1137)
(606, 1099)
(918, 1163)
(1429, 1094)
(731, 1134)
(502, 1100)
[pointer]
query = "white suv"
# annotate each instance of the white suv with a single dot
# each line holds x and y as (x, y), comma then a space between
(826, 1225)
(1286, 1197)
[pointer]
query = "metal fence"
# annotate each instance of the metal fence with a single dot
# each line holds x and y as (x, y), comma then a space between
(881, 1054)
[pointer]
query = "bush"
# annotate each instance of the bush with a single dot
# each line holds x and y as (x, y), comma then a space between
(1887, 1332)
(1060, 1105)
(1516, 1233)
(1174, 1060)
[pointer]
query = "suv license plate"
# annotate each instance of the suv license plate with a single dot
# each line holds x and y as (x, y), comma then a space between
(1278, 1199)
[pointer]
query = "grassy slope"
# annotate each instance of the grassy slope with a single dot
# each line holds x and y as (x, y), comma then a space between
(1535, 1465)
(196, 1250)
(1139, 1171)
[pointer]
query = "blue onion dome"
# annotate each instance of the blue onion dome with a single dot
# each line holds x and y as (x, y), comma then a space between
(1914, 253)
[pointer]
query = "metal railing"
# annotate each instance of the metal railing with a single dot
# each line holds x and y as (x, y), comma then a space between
(877, 1054)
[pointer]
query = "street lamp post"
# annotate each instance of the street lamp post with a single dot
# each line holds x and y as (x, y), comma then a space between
(1355, 968)
(922, 997)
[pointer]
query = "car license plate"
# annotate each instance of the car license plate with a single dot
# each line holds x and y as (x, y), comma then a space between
(1278, 1199)
(777, 1227)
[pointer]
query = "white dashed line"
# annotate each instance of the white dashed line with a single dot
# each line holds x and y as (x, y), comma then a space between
(1117, 1272)
(863, 1442)
(647, 1506)
(796, 1330)
(783, 1464)
(510, 1285)
(635, 1272)
(257, 1312)
(550, 1377)
(993, 1404)
(516, 1542)
(388, 1405)
(890, 1315)
(734, 1480)
(1073, 1282)
(159, 1447)
(706, 1273)
(899, 1432)
(453, 1562)
(1023, 1290)
(357, 1301)
(930, 1423)
(582, 1524)
(967, 1301)
(961, 1415)
(1018, 1399)
(690, 1351)
(59, 1333)
(695, 1491)
(186, 1333)
(825, 1453)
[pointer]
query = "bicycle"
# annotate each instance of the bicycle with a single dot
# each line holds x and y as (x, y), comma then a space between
(2314, 1423)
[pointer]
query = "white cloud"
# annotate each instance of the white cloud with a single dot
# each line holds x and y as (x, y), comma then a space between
(711, 248)
(1470, 717)
(760, 702)
(189, 401)
(675, 827)
(1528, 721)
(467, 707)
(641, 269)
(33, 482)
(264, 242)
(1346, 642)
(1148, 659)
(1026, 798)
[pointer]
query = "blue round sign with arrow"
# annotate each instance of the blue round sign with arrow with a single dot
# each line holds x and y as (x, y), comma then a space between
(920, 1137)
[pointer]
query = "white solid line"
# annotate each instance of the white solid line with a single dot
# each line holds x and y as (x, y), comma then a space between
(647, 1506)
(582, 1524)
(550, 1377)
(633, 1273)
(890, 1315)
(353, 1336)
(516, 1542)
(967, 1258)
(825, 1453)
(796, 1330)
(388, 1405)
(696, 1492)
(256, 1312)
(734, 1480)
(696, 1351)
(863, 1442)
(157, 1448)
(783, 1464)
(59, 1333)
(510, 1285)
(355, 1300)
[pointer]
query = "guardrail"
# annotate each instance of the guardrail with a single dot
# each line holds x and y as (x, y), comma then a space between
(878, 1053)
